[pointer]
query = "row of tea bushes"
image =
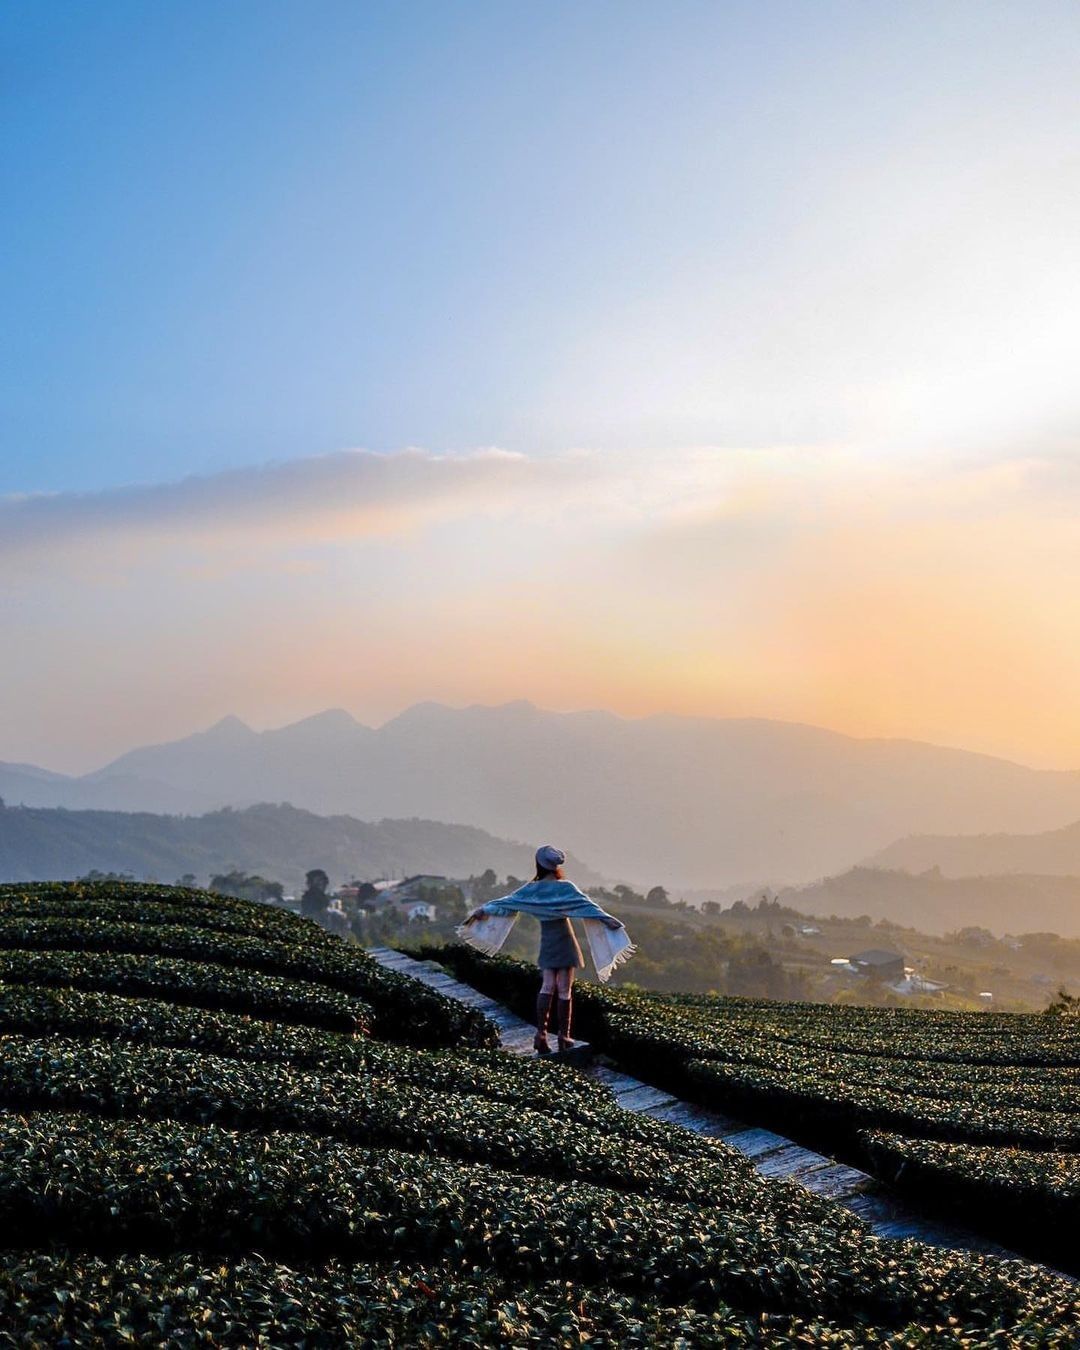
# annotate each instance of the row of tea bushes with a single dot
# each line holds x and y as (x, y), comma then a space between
(130, 918)
(402, 1008)
(614, 1149)
(192, 909)
(192, 983)
(831, 1101)
(29, 1010)
(68, 1299)
(1027, 1188)
(156, 1186)
(44, 897)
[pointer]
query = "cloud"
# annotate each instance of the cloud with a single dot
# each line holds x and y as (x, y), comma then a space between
(927, 597)
(348, 492)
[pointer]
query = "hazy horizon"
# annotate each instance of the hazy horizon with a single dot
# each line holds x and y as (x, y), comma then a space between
(376, 723)
(703, 359)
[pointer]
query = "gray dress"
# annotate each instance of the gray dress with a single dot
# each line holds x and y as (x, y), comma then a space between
(559, 948)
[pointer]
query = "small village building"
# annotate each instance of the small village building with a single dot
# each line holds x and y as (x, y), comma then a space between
(408, 897)
(335, 920)
(914, 983)
(415, 910)
(877, 964)
(410, 888)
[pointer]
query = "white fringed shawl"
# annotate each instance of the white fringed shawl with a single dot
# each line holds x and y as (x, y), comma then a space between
(608, 947)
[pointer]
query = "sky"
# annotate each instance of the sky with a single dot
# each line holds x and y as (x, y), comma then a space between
(714, 358)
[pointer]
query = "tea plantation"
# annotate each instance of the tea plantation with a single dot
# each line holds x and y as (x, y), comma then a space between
(975, 1113)
(220, 1125)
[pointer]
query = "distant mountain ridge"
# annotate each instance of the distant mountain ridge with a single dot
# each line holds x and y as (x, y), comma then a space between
(278, 841)
(937, 904)
(1050, 852)
(683, 801)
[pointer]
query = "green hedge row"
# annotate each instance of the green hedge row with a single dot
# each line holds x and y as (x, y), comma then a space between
(402, 1008)
(192, 983)
(993, 1100)
(42, 896)
(162, 1186)
(846, 1106)
(152, 1083)
(58, 1299)
(1022, 1187)
(44, 1011)
(262, 921)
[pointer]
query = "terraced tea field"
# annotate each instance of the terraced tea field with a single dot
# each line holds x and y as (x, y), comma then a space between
(974, 1113)
(220, 1125)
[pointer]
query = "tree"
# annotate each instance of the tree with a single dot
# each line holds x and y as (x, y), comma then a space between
(244, 887)
(189, 880)
(314, 900)
(484, 887)
(1065, 1005)
(366, 893)
(657, 898)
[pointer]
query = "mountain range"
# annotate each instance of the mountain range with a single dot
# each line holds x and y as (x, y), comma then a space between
(933, 903)
(1051, 852)
(682, 801)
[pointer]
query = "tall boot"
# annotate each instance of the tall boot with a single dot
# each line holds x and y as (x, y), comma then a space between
(565, 1005)
(543, 1013)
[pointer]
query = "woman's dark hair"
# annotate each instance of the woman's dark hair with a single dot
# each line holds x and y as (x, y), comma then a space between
(542, 873)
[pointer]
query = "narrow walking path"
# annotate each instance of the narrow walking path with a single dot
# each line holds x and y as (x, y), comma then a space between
(772, 1155)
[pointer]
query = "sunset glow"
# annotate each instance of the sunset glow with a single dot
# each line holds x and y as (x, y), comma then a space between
(717, 360)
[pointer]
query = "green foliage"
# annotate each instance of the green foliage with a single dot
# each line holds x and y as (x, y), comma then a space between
(159, 1185)
(238, 883)
(833, 1074)
(252, 1302)
(192, 983)
(606, 1146)
(42, 898)
(1024, 1187)
(285, 947)
(79, 1013)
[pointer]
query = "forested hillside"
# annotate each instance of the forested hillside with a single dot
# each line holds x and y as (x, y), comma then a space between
(277, 841)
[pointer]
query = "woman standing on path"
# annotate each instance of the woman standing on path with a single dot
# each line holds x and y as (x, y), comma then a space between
(554, 901)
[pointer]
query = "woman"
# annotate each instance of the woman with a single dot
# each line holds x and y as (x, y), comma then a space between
(554, 901)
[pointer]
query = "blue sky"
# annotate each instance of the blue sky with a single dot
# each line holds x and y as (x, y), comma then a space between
(262, 230)
(766, 312)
